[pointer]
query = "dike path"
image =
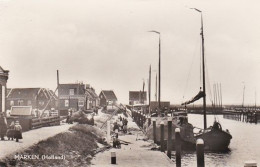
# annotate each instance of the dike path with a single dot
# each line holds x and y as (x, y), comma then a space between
(30, 138)
(137, 153)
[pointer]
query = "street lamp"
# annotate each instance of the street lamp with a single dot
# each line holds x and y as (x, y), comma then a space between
(159, 95)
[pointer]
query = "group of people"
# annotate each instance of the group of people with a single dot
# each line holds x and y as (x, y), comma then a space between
(122, 126)
(12, 131)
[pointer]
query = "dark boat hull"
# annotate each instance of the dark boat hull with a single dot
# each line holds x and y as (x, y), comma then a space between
(215, 140)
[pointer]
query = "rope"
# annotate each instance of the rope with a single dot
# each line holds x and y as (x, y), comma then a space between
(193, 58)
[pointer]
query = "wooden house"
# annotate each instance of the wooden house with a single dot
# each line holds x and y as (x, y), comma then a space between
(93, 99)
(107, 97)
(38, 98)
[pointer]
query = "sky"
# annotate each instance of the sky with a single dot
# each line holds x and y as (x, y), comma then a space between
(106, 43)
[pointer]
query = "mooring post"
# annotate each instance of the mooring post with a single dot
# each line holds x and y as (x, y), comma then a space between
(200, 153)
(169, 141)
(113, 157)
(251, 163)
(154, 130)
(178, 147)
(162, 136)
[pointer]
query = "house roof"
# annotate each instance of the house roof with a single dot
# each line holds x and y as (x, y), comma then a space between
(24, 93)
(21, 111)
(2, 71)
(109, 94)
(64, 88)
(92, 93)
(137, 95)
(29, 93)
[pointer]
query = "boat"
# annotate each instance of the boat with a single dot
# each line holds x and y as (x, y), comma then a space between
(214, 137)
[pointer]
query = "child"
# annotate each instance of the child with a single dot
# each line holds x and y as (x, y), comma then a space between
(10, 131)
(17, 131)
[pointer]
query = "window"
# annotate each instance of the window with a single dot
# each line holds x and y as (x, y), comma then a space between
(72, 92)
(29, 102)
(11, 103)
(66, 103)
(20, 102)
(81, 103)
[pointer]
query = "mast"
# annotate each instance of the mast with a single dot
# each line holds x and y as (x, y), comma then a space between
(149, 90)
(203, 72)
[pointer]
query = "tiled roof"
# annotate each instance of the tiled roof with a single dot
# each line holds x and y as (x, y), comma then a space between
(24, 93)
(29, 93)
(92, 93)
(109, 94)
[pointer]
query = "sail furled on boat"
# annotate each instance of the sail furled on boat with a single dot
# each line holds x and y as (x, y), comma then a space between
(195, 98)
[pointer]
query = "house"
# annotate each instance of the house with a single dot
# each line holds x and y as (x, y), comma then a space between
(71, 96)
(137, 97)
(76, 96)
(38, 98)
(3, 90)
(93, 99)
(107, 97)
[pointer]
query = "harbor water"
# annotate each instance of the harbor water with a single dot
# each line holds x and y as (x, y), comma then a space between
(244, 146)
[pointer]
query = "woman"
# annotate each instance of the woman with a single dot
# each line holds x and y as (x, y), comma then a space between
(3, 126)
(17, 131)
(10, 131)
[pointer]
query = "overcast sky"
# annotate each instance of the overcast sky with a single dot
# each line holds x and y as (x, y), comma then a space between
(105, 43)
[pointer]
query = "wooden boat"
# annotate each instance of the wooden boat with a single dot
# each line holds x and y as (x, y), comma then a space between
(215, 138)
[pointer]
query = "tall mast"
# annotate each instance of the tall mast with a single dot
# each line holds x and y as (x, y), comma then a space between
(149, 90)
(203, 72)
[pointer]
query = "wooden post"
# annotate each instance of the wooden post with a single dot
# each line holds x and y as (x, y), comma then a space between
(169, 141)
(154, 130)
(251, 163)
(113, 157)
(162, 136)
(178, 147)
(200, 153)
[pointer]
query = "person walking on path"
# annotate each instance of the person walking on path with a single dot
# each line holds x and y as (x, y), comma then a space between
(3, 126)
(17, 131)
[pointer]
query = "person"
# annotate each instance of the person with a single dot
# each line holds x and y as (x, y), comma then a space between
(69, 116)
(10, 131)
(3, 126)
(17, 131)
(116, 142)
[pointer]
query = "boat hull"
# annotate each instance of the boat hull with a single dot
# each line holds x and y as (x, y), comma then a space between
(215, 140)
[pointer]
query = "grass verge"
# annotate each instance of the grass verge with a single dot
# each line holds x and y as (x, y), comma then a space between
(77, 146)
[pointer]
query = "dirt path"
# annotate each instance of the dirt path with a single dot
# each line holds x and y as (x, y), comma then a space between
(136, 154)
(30, 138)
